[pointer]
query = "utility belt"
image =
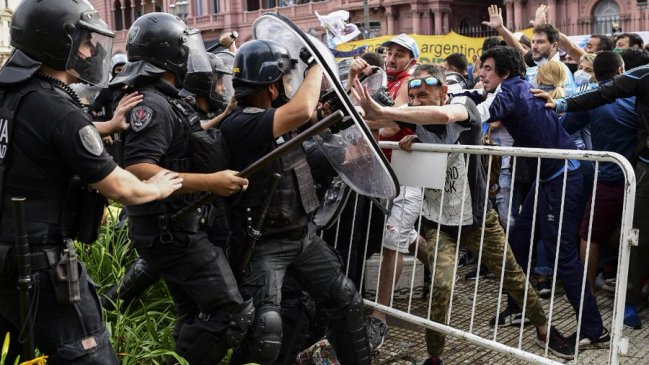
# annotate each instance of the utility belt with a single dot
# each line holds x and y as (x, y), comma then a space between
(163, 224)
(59, 260)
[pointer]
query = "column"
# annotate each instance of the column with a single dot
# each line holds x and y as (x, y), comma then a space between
(445, 20)
(552, 12)
(438, 21)
(509, 14)
(573, 17)
(390, 14)
(416, 18)
(426, 26)
(518, 15)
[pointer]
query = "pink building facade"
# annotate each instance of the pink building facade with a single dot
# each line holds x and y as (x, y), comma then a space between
(214, 17)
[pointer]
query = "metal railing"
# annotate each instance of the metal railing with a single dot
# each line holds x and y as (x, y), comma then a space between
(628, 237)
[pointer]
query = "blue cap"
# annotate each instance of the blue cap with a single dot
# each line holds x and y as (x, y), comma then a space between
(406, 42)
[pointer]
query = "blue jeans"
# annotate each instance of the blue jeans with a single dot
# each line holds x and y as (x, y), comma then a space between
(569, 270)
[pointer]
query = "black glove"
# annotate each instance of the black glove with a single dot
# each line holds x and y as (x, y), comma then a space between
(307, 58)
(383, 97)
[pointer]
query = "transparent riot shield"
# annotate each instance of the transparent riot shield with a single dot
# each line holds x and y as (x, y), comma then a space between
(353, 152)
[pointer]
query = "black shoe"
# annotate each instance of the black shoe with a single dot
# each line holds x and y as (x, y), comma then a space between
(376, 331)
(589, 343)
(509, 317)
(465, 258)
(433, 360)
(544, 288)
(560, 346)
(484, 273)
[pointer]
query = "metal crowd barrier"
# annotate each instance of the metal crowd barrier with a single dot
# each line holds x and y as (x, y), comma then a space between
(628, 237)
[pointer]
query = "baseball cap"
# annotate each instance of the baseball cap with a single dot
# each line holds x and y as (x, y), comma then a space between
(406, 42)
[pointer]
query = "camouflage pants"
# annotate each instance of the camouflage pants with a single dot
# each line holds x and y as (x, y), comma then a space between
(492, 256)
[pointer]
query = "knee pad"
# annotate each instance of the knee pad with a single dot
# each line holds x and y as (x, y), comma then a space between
(265, 336)
(345, 296)
(206, 338)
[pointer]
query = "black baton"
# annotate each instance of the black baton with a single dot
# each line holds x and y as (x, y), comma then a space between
(26, 336)
(256, 166)
(254, 233)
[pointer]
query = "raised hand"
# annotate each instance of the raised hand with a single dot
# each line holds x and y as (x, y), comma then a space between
(495, 17)
(119, 123)
(540, 17)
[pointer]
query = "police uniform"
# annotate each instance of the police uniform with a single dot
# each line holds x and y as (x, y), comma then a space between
(287, 240)
(195, 270)
(52, 140)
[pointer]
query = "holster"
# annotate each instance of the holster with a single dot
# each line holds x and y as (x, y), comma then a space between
(65, 275)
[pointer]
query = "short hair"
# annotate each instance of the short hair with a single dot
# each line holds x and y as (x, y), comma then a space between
(606, 43)
(374, 59)
(459, 61)
(634, 39)
(605, 65)
(437, 72)
(635, 57)
(549, 30)
(507, 59)
(588, 57)
(491, 42)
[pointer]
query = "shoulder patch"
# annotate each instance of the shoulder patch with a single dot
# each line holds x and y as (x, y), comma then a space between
(141, 116)
(252, 110)
(91, 140)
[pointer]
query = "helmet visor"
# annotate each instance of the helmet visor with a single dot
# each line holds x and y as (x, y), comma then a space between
(222, 87)
(89, 58)
(197, 60)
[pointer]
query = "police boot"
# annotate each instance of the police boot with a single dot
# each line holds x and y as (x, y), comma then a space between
(346, 330)
(138, 278)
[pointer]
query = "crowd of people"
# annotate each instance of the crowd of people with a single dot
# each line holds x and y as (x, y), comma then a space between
(179, 123)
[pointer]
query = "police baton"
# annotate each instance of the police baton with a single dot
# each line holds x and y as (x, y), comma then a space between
(254, 233)
(256, 166)
(26, 336)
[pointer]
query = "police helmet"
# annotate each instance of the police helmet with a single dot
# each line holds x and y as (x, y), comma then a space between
(260, 63)
(165, 41)
(65, 35)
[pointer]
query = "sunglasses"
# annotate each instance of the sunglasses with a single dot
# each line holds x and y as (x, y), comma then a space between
(430, 81)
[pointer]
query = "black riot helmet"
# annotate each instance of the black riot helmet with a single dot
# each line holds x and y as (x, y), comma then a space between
(210, 84)
(260, 63)
(65, 35)
(164, 40)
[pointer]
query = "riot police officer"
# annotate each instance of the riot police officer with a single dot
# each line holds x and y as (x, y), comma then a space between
(48, 146)
(263, 115)
(211, 100)
(161, 50)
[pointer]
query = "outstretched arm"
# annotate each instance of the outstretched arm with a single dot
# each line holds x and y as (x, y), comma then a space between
(496, 22)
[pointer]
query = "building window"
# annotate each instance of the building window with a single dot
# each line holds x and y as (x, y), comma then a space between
(128, 16)
(4, 38)
(198, 7)
(605, 13)
(216, 6)
(118, 22)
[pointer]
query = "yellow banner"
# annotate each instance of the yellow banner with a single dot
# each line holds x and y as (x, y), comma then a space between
(432, 48)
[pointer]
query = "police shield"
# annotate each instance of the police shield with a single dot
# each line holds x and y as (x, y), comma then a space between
(352, 151)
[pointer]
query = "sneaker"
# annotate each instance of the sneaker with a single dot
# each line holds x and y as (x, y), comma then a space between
(376, 331)
(509, 317)
(544, 288)
(484, 273)
(631, 318)
(465, 258)
(589, 343)
(433, 360)
(558, 344)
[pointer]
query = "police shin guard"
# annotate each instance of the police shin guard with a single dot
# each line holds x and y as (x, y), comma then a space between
(205, 340)
(346, 330)
(264, 340)
(138, 277)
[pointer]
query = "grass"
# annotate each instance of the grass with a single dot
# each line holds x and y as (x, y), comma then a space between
(141, 333)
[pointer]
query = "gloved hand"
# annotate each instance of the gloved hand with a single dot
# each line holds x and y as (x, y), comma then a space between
(307, 58)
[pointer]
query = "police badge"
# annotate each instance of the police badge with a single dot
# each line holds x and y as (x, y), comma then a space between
(91, 140)
(141, 117)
